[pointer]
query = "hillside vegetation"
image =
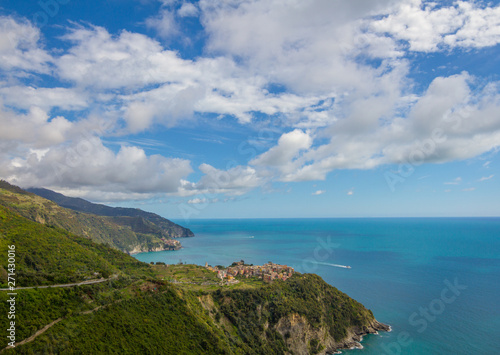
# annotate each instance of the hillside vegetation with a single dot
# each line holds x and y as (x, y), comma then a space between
(51, 255)
(125, 233)
(160, 309)
(157, 224)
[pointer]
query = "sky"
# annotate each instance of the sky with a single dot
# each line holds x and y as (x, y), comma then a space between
(255, 108)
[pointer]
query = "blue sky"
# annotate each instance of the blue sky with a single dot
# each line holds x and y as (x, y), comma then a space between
(236, 109)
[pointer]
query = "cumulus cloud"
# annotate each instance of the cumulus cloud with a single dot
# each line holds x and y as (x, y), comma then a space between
(20, 47)
(448, 122)
(34, 128)
(306, 46)
(188, 9)
(165, 23)
(426, 26)
(234, 181)
(288, 147)
(132, 62)
(87, 165)
(318, 192)
(26, 97)
(98, 59)
(305, 62)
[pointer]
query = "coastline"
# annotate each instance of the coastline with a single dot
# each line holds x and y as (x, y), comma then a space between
(138, 250)
(354, 339)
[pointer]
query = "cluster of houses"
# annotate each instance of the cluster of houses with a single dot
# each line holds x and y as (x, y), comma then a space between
(268, 272)
(171, 244)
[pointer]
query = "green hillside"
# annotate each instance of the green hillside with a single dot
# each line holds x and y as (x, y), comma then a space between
(127, 216)
(129, 234)
(137, 308)
(51, 255)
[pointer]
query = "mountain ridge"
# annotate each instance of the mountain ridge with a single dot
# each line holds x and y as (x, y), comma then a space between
(82, 205)
(128, 234)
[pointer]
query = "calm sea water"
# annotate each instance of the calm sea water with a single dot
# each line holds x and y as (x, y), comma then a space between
(401, 269)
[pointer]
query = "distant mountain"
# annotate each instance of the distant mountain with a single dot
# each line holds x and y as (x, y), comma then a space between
(128, 234)
(170, 228)
(129, 307)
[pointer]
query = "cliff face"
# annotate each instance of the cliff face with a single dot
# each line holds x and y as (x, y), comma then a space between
(304, 339)
(303, 315)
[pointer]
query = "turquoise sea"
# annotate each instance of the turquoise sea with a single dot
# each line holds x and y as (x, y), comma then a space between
(436, 281)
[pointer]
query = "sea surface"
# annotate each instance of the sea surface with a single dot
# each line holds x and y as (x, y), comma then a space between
(435, 281)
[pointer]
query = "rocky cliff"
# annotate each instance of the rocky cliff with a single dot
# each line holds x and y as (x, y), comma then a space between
(303, 315)
(303, 339)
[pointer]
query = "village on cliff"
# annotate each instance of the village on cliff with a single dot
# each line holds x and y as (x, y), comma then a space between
(267, 272)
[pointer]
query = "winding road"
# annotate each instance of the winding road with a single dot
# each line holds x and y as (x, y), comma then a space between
(88, 282)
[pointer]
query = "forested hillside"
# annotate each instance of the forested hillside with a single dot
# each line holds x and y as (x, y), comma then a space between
(163, 225)
(128, 234)
(138, 308)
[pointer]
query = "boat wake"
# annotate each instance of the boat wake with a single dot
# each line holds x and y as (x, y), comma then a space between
(336, 265)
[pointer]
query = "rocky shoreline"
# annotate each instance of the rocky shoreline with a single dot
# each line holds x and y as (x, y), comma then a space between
(300, 333)
(355, 337)
(168, 245)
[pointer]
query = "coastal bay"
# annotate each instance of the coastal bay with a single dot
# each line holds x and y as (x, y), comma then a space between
(398, 267)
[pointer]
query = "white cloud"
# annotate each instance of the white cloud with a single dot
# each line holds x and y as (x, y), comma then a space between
(131, 60)
(195, 201)
(350, 192)
(87, 165)
(481, 27)
(34, 128)
(26, 97)
(448, 122)
(188, 10)
(484, 178)
(20, 47)
(164, 24)
(319, 192)
(306, 46)
(338, 111)
(233, 181)
(289, 146)
(427, 26)
(469, 189)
